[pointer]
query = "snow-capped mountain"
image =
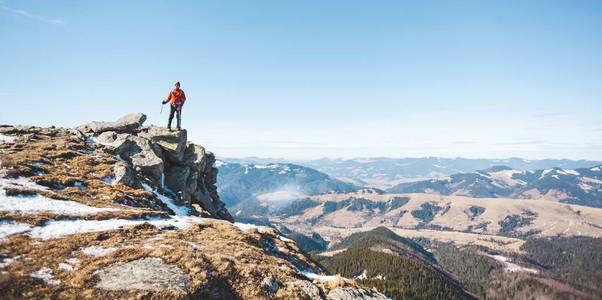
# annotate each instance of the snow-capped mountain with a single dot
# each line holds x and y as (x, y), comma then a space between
(581, 186)
(382, 172)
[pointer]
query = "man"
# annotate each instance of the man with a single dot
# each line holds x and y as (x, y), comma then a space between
(177, 98)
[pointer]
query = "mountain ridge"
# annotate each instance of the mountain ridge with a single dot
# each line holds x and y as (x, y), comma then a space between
(118, 210)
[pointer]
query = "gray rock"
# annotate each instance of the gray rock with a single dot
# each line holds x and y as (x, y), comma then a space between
(310, 289)
(143, 274)
(270, 284)
(125, 175)
(128, 123)
(195, 157)
(176, 179)
(173, 143)
(107, 137)
(138, 118)
(144, 157)
(349, 293)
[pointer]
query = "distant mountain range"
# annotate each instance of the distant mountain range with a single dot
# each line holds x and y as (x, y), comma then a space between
(387, 172)
(581, 186)
(249, 189)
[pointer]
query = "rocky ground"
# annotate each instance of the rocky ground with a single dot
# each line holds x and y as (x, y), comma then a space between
(118, 210)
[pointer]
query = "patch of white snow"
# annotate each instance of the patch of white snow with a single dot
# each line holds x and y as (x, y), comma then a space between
(45, 274)
(178, 210)
(97, 250)
(8, 261)
(9, 228)
(67, 267)
(7, 139)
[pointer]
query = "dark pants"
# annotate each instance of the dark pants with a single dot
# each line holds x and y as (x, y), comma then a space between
(178, 110)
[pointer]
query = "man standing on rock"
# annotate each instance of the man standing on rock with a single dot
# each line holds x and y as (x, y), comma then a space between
(177, 98)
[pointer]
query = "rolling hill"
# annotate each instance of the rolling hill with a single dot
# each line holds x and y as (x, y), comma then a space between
(581, 186)
(335, 216)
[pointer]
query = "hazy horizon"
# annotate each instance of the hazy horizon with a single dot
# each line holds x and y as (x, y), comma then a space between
(276, 159)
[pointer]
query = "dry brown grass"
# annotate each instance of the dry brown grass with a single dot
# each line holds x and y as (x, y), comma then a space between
(61, 161)
(230, 262)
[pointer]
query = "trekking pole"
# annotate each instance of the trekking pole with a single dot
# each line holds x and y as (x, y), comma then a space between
(162, 104)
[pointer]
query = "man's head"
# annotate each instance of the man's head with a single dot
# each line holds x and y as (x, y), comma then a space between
(177, 85)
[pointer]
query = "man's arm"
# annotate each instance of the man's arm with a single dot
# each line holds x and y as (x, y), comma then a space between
(168, 98)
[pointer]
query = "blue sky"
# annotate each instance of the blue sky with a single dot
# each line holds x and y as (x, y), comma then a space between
(309, 79)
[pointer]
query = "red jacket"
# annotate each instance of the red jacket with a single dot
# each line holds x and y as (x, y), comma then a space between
(176, 97)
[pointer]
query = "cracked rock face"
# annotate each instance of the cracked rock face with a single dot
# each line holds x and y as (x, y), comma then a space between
(143, 274)
(165, 157)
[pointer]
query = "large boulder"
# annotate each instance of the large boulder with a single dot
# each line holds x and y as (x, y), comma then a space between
(173, 143)
(144, 157)
(124, 175)
(128, 123)
(107, 137)
(143, 274)
(309, 289)
(352, 293)
(195, 157)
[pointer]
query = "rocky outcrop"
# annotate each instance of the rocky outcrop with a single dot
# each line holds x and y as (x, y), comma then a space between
(126, 123)
(178, 167)
(91, 217)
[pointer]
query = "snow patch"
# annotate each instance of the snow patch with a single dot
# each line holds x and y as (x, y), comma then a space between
(121, 159)
(67, 267)
(73, 261)
(245, 227)
(36, 203)
(510, 267)
(361, 276)
(20, 183)
(284, 239)
(193, 245)
(45, 274)
(80, 185)
(7, 139)
(314, 276)
(97, 251)
(8, 261)
(55, 229)
(571, 172)
(178, 210)
(9, 228)
(545, 172)
(94, 139)
(109, 180)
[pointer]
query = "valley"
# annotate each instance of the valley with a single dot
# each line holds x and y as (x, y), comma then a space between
(485, 230)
